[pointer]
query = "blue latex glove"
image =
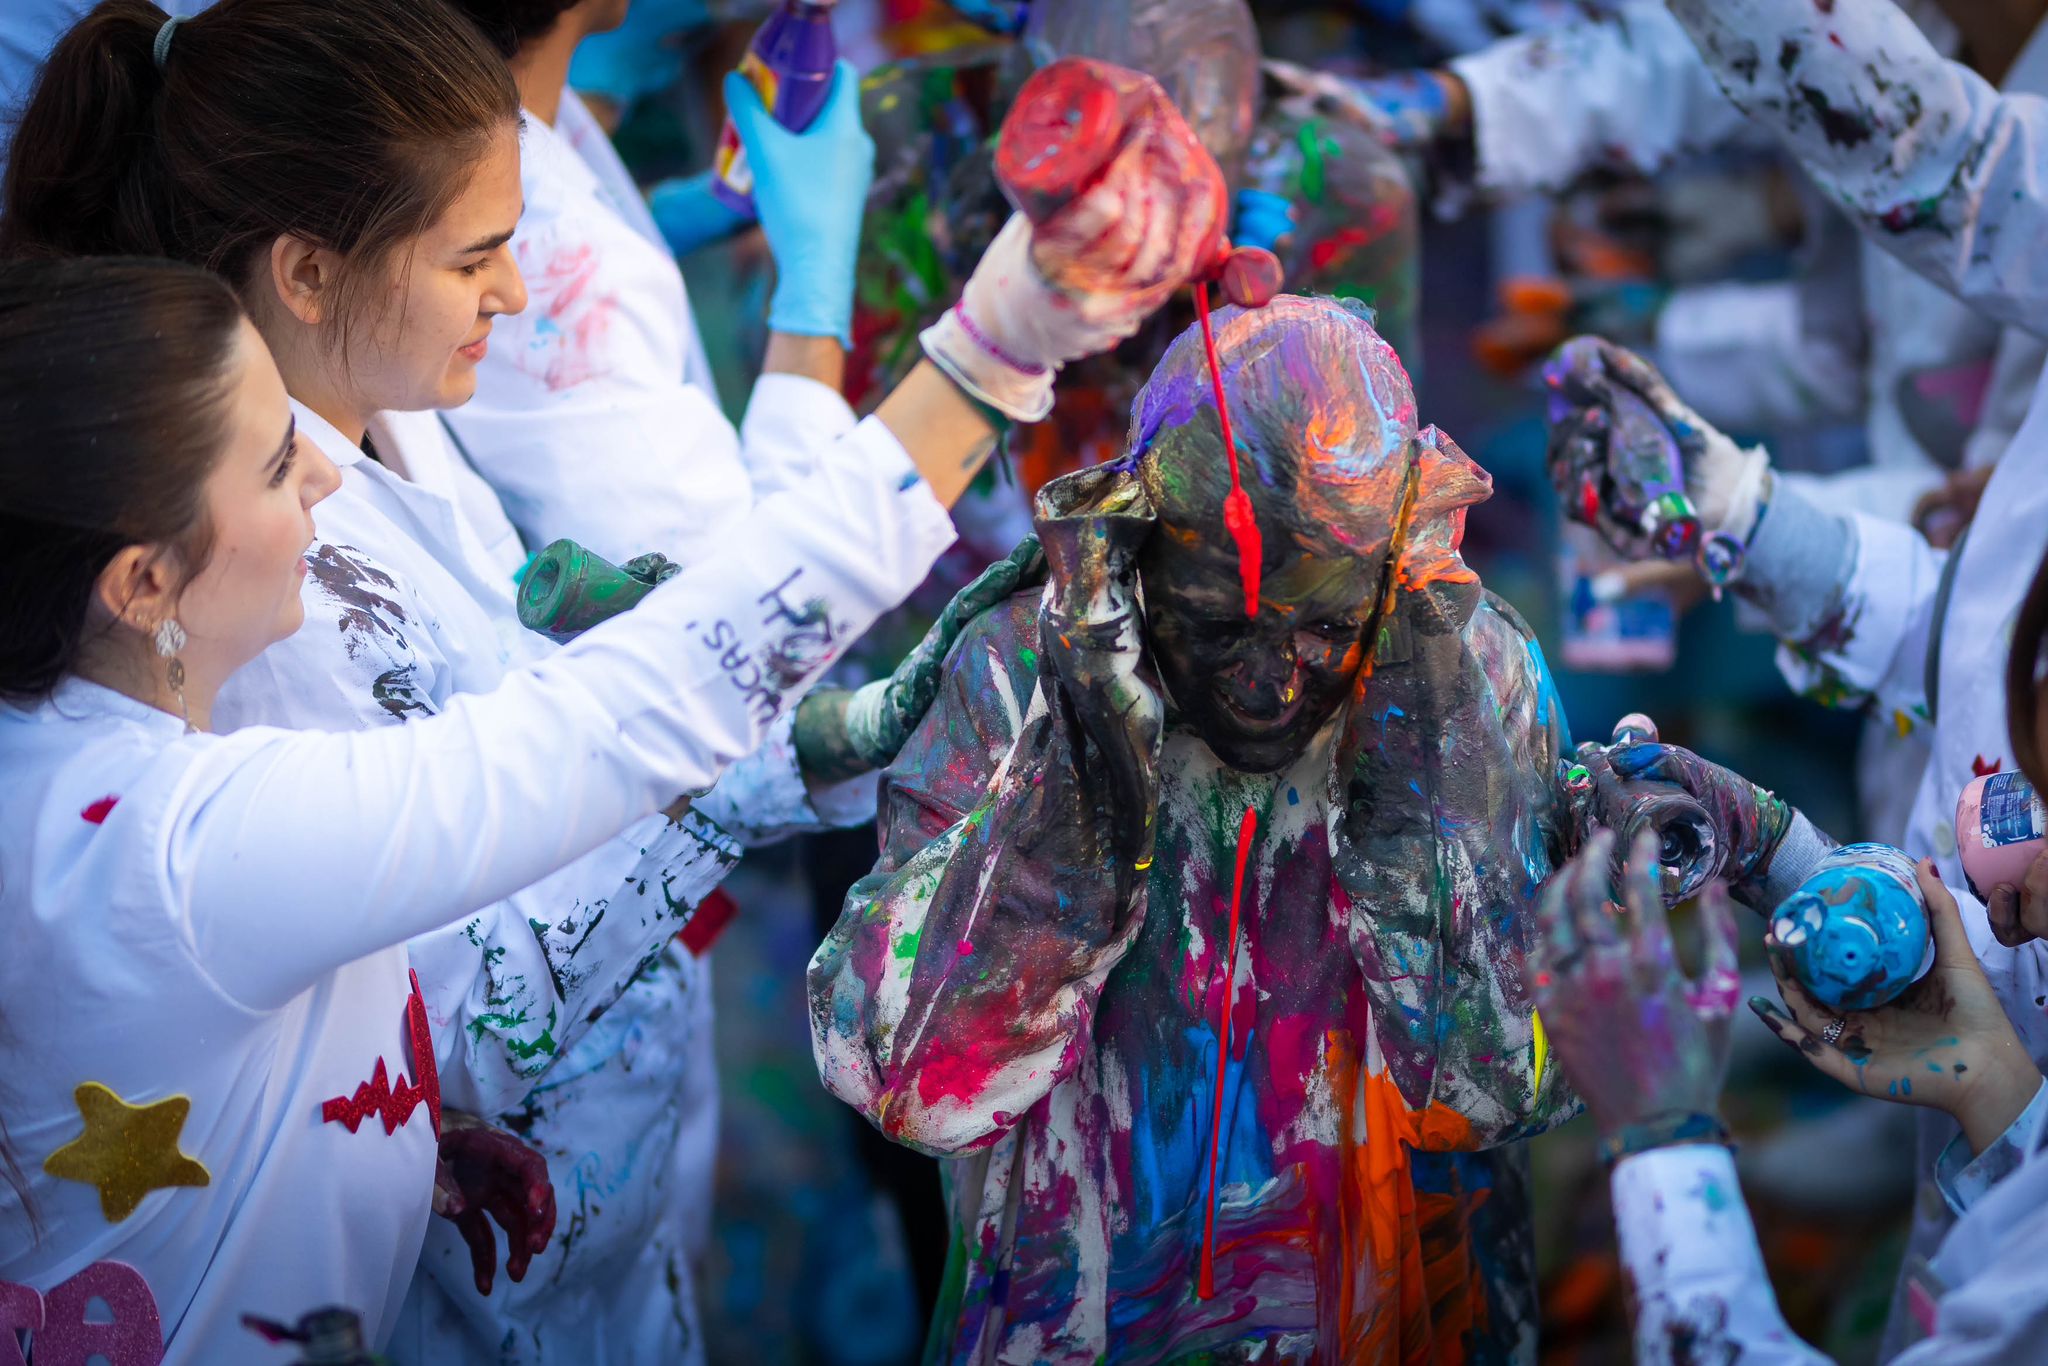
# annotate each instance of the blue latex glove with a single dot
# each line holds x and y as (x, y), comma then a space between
(642, 55)
(811, 191)
(690, 216)
(1263, 218)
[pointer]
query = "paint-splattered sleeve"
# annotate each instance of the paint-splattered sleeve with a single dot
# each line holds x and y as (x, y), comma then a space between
(1451, 828)
(1936, 166)
(1623, 93)
(960, 982)
(1692, 1261)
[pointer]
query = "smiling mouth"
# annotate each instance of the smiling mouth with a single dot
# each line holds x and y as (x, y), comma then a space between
(1260, 727)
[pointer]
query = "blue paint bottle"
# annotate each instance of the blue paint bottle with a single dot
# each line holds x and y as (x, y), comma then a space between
(1855, 933)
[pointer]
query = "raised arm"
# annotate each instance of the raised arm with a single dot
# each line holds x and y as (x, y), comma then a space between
(290, 854)
(959, 985)
(1935, 165)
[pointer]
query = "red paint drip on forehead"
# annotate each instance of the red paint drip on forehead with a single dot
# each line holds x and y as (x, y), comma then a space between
(1238, 518)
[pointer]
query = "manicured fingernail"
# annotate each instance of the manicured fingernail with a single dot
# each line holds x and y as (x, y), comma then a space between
(1764, 1009)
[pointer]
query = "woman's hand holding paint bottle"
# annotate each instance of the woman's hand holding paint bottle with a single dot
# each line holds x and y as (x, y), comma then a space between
(1631, 460)
(1946, 1043)
(1647, 1049)
(811, 191)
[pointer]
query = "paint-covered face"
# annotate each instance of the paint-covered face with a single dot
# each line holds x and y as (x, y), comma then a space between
(1255, 690)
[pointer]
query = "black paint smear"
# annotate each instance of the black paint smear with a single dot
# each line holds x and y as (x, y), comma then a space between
(1841, 129)
(1788, 55)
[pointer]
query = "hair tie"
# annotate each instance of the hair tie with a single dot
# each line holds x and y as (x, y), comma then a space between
(161, 49)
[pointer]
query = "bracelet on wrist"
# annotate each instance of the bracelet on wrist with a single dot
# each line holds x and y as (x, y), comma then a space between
(1678, 1128)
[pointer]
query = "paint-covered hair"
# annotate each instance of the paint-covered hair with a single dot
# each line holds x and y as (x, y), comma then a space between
(350, 124)
(1325, 422)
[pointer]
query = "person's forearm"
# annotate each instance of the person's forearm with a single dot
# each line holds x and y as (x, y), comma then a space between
(1932, 163)
(947, 435)
(820, 358)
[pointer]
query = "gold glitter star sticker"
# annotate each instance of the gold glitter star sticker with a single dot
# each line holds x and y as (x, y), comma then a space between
(126, 1150)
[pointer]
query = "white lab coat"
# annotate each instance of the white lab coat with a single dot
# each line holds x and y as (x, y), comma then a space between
(1700, 1291)
(409, 606)
(1950, 176)
(227, 927)
(594, 415)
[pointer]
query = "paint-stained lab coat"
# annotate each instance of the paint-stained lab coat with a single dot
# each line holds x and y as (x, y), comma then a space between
(410, 605)
(1633, 93)
(989, 997)
(595, 415)
(1701, 1293)
(1951, 177)
(222, 918)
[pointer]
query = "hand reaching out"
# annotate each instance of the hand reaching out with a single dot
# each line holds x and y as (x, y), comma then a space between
(1642, 1044)
(485, 1170)
(1946, 1043)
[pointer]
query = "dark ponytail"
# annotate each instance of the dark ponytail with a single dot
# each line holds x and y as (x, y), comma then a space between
(113, 375)
(351, 124)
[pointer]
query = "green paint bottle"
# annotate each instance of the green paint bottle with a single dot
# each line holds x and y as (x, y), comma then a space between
(568, 589)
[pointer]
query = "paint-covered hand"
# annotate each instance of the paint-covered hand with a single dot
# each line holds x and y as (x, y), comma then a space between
(1409, 110)
(1092, 646)
(1643, 1045)
(1631, 460)
(1750, 824)
(863, 730)
(1946, 1043)
(811, 190)
(482, 1171)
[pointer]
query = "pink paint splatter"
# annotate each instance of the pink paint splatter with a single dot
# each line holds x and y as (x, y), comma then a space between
(96, 814)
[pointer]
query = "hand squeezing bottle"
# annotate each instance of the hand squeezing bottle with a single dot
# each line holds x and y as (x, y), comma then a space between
(789, 64)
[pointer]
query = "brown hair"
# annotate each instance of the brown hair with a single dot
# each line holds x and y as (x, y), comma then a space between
(512, 24)
(2023, 680)
(351, 124)
(113, 374)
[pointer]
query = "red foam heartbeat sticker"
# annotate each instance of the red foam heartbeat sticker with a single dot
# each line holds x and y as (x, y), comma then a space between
(394, 1105)
(709, 920)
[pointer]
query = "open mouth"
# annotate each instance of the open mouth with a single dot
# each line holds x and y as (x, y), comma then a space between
(1258, 727)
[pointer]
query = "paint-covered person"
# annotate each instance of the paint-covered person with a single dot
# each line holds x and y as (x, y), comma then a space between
(409, 605)
(221, 1082)
(1040, 976)
(1649, 1051)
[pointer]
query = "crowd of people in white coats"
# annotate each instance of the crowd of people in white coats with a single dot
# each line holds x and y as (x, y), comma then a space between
(318, 318)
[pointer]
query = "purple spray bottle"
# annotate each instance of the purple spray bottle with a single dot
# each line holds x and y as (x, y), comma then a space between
(790, 65)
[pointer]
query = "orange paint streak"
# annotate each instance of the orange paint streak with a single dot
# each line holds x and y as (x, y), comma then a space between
(1205, 1285)
(1409, 1287)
